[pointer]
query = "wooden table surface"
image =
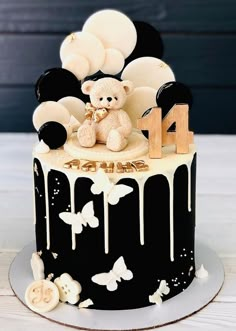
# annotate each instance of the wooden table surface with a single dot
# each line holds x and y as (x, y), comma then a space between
(216, 226)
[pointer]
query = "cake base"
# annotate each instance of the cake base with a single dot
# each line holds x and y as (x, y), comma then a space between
(196, 296)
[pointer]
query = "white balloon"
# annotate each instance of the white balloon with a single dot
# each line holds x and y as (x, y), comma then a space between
(138, 102)
(50, 111)
(114, 62)
(148, 71)
(75, 106)
(114, 29)
(87, 45)
(77, 64)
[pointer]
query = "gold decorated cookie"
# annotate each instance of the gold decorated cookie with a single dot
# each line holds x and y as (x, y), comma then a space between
(42, 296)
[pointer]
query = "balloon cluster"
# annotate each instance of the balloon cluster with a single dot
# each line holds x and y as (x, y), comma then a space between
(109, 44)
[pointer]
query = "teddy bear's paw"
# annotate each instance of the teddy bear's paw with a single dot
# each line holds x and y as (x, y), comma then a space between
(86, 135)
(115, 141)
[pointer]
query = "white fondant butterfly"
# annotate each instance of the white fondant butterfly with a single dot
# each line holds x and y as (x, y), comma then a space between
(157, 296)
(80, 219)
(110, 279)
(113, 192)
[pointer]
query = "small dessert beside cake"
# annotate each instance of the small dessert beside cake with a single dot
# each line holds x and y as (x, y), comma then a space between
(114, 173)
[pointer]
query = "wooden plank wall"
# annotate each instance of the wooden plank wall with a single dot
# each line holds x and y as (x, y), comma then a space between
(199, 38)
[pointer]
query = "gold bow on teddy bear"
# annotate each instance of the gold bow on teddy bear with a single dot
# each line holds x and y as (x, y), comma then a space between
(95, 114)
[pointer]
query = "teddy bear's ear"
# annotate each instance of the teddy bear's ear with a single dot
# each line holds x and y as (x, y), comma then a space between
(128, 86)
(87, 86)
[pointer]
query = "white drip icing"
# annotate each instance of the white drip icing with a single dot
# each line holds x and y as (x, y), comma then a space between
(106, 223)
(189, 184)
(141, 183)
(170, 179)
(34, 198)
(45, 174)
(72, 176)
(106, 219)
(72, 206)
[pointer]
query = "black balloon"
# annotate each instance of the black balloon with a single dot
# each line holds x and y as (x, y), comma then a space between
(57, 83)
(145, 132)
(53, 134)
(172, 93)
(98, 75)
(149, 42)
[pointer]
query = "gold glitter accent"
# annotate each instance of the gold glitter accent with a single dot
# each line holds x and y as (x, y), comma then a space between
(163, 65)
(72, 37)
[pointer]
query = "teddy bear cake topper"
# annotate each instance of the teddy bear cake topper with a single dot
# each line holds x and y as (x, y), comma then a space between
(112, 82)
(105, 121)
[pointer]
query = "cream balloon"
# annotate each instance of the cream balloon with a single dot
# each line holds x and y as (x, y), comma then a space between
(114, 29)
(86, 45)
(77, 64)
(50, 111)
(148, 71)
(75, 106)
(114, 62)
(138, 102)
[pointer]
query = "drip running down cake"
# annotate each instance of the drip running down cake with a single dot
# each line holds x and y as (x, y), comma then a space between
(114, 188)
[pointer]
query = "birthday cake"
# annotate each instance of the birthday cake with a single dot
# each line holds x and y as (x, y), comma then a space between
(114, 187)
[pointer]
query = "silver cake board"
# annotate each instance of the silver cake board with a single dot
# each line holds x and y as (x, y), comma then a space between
(195, 297)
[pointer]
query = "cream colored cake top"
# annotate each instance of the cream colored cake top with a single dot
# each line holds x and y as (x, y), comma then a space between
(137, 149)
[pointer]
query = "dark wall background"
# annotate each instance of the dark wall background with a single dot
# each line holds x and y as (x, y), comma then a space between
(200, 46)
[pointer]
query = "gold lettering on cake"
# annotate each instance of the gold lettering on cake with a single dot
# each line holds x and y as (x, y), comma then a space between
(73, 164)
(107, 167)
(124, 167)
(140, 165)
(89, 166)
